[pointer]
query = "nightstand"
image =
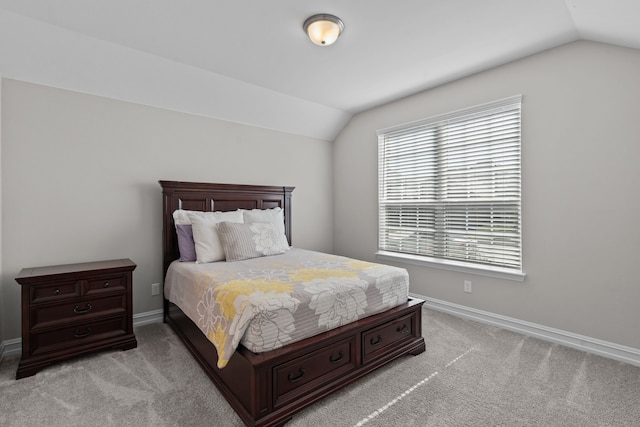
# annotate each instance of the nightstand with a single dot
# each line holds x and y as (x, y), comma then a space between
(75, 309)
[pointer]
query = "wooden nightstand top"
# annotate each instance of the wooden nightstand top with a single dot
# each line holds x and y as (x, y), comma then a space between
(29, 274)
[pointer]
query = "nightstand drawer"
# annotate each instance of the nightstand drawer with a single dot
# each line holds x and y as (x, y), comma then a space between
(77, 311)
(110, 284)
(56, 291)
(77, 335)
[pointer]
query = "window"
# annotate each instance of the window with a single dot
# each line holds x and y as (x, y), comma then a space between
(449, 190)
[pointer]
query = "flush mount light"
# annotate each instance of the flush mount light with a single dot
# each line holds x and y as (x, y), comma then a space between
(323, 29)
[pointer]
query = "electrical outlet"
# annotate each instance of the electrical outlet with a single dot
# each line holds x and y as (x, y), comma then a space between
(467, 286)
(155, 289)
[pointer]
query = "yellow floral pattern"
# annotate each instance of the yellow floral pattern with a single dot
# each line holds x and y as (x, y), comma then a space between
(228, 293)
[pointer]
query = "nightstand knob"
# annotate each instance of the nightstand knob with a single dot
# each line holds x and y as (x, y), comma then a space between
(78, 310)
(78, 334)
(56, 292)
(106, 285)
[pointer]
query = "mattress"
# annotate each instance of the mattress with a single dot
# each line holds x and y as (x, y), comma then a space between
(268, 302)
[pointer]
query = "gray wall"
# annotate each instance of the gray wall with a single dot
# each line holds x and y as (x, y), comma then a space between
(80, 175)
(581, 204)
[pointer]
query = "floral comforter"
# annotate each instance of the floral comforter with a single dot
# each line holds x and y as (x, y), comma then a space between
(268, 302)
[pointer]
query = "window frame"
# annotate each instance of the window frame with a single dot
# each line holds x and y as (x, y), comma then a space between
(471, 267)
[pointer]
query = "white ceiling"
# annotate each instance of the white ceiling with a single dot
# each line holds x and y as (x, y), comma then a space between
(389, 49)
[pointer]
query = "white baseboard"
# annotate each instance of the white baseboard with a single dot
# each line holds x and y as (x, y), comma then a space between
(10, 347)
(580, 342)
(14, 346)
(147, 317)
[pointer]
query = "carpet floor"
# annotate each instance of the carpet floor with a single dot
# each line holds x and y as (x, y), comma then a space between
(471, 374)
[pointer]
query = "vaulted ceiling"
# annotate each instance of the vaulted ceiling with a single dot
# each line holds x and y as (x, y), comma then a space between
(249, 61)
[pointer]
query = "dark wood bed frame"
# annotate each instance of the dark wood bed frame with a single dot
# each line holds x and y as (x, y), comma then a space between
(266, 389)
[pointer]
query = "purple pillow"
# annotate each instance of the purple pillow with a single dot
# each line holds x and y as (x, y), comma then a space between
(186, 246)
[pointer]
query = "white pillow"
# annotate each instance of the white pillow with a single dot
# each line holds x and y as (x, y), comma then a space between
(274, 215)
(181, 217)
(205, 233)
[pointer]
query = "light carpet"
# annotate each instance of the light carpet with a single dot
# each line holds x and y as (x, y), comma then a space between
(471, 375)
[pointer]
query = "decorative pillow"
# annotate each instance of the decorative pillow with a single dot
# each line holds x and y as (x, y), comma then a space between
(205, 234)
(244, 241)
(274, 215)
(186, 245)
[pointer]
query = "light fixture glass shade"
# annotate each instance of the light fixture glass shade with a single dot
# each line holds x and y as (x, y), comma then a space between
(323, 29)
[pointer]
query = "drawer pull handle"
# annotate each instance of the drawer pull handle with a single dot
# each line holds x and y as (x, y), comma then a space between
(79, 310)
(337, 359)
(404, 329)
(106, 285)
(375, 341)
(293, 379)
(56, 292)
(78, 334)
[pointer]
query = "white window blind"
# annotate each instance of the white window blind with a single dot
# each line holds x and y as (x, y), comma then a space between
(449, 187)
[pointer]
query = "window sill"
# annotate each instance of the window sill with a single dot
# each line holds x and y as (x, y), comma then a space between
(462, 267)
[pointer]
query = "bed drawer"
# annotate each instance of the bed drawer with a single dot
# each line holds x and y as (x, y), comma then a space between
(376, 341)
(312, 370)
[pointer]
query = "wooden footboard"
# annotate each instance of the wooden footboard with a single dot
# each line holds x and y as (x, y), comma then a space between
(266, 389)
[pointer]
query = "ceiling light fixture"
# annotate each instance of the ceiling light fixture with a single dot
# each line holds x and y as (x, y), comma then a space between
(323, 29)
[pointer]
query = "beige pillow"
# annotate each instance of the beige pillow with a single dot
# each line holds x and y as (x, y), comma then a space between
(244, 241)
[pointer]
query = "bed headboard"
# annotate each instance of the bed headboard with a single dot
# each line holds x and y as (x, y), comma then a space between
(198, 196)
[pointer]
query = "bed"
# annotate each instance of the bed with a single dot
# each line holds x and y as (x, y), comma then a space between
(267, 388)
